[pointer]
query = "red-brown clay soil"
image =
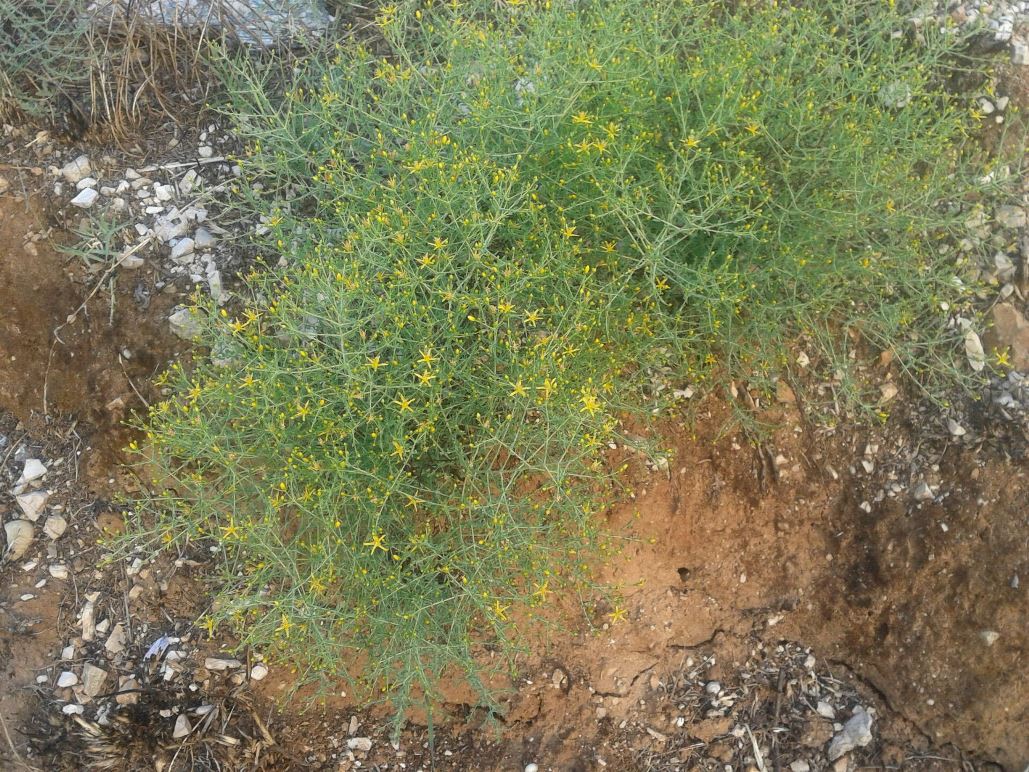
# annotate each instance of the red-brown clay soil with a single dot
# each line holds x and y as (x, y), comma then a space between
(889, 593)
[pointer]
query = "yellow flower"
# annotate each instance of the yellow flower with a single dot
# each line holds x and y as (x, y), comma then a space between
(499, 610)
(403, 403)
(427, 357)
(377, 542)
(425, 378)
(518, 389)
(590, 403)
(547, 389)
(542, 590)
(617, 615)
(375, 363)
(284, 626)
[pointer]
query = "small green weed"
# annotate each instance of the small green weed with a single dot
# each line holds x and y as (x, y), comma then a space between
(483, 239)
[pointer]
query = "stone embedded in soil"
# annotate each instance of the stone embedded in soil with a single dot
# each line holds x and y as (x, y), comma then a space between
(19, 535)
(164, 192)
(825, 710)
(974, 351)
(956, 429)
(217, 663)
(856, 733)
(32, 504)
(76, 170)
(33, 470)
(116, 640)
(989, 636)
(182, 249)
(259, 672)
(4, 185)
(93, 679)
(72, 710)
(922, 491)
(58, 571)
(169, 227)
(184, 324)
(1010, 333)
(359, 744)
(800, 766)
(182, 727)
(55, 526)
(1020, 54)
(128, 691)
(1011, 216)
(88, 621)
(887, 392)
(67, 679)
(203, 238)
(85, 199)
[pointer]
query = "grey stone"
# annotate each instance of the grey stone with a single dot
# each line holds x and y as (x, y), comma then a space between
(922, 491)
(974, 351)
(203, 239)
(856, 733)
(1011, 216)
(1010, 334)
(19, 535)
(184, 324)
(32, 504)
(1020, 54)
(55, 526)
(217, 664)
(182, 727)
(33, 470)
(93, 679)
(73, 171)
(183, 248)
(85, 199)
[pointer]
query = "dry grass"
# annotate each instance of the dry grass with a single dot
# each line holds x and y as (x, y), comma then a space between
(120, 73)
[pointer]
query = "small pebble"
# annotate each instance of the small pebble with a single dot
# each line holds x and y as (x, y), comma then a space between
(85, 199)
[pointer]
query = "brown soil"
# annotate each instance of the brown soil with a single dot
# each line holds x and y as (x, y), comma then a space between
(91, 367)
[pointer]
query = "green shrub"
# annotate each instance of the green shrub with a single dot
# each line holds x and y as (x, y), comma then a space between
(486, 231)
